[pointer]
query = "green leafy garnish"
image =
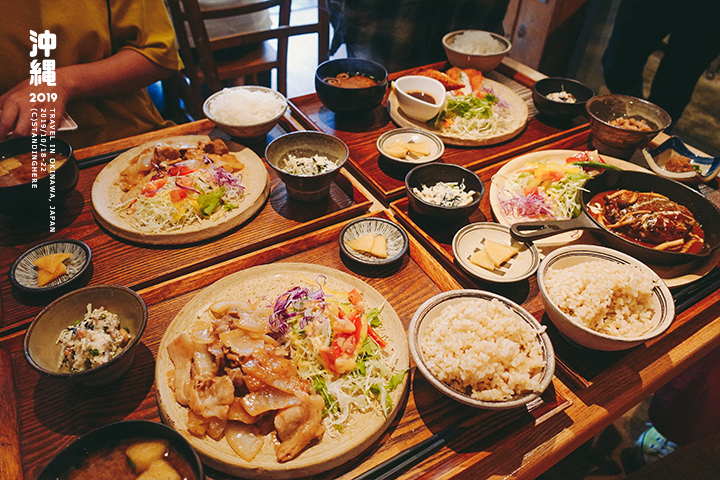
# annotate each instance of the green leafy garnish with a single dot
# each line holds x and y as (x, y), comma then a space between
(373, 318)
(94, 352)
(209, 202)
(396, 380)
(330, 402)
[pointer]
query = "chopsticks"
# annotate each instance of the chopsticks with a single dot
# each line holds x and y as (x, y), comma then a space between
(686, 297)
(399, 463)
(98, 159)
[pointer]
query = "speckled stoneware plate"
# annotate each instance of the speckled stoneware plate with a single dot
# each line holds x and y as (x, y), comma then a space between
(24, 275)
(269, 281)
(471, 238)
(397, 239)
(411, 135)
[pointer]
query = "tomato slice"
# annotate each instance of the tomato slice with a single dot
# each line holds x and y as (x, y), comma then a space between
(177, 195)
(152, 187)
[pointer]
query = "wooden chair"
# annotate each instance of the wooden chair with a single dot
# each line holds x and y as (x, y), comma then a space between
(203, 68)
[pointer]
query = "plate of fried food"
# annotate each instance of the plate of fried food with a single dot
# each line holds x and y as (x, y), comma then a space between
(179, 190)
(478, 111)
(282, 371)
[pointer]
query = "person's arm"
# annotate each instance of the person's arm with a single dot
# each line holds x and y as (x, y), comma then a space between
(125, 71)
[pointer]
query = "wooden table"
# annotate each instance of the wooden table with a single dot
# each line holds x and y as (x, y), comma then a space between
(39, 416)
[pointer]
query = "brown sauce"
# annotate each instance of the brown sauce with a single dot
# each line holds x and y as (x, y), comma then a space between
(346, 80)
(425, 97)
(111, 463)
(18, 169)
(598, 206)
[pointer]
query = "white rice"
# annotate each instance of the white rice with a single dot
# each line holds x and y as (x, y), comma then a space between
(245, 107)
(607, 297)
(485, 349)
(477, 43)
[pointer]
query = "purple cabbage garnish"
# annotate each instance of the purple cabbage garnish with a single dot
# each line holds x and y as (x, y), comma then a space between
(225, 179)
(292, 304)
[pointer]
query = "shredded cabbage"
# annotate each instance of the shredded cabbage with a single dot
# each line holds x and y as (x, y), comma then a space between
(212, 187)
(542, 191)
(303, 318)
(472, 116)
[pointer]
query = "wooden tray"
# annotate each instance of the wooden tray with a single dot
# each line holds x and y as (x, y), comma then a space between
(384, 179)
(50, 414)
(576, 364)
(118, 261)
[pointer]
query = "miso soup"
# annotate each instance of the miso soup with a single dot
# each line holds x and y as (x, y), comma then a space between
(18, 169)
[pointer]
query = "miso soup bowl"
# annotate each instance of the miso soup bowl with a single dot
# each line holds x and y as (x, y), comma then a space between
(109, 435)
(51, 189)
(352, 103)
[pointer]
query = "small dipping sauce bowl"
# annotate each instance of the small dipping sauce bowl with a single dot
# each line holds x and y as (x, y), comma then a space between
(420, 98)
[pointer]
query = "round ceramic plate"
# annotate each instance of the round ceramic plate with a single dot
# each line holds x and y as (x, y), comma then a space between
(269, 281)
(411, 135)
(106, 195)
(471, 239)
(24, 274)
(510, 171)
(672, 275)
(518, 113)
(397, 239)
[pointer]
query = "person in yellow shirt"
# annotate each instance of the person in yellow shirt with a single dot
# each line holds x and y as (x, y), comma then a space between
(106, 52)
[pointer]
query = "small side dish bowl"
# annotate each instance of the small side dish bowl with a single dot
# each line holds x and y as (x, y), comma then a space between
(574, 255)
(351, 101)
(23, 190)
(410, 141)
(246, 111)
(474, 49)
(618, 141)
(306, 144)
(24, 274)
(181, 454)
(472, 238)
(430, 310)
(44, 353)
(396, 240)
(674, 151)
(560, 107)
(420, 98)
(429, 175)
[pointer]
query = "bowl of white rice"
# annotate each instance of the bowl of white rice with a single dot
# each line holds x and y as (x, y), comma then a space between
(603, 299)
(247, 111)
(481, 349)
(475, 49)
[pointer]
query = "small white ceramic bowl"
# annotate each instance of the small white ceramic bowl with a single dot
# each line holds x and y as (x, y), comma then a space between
(571, 255)
(483, 62)
(249, 130)
(471, 238)
(412, 106)
(430, 309)
(411, 135)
